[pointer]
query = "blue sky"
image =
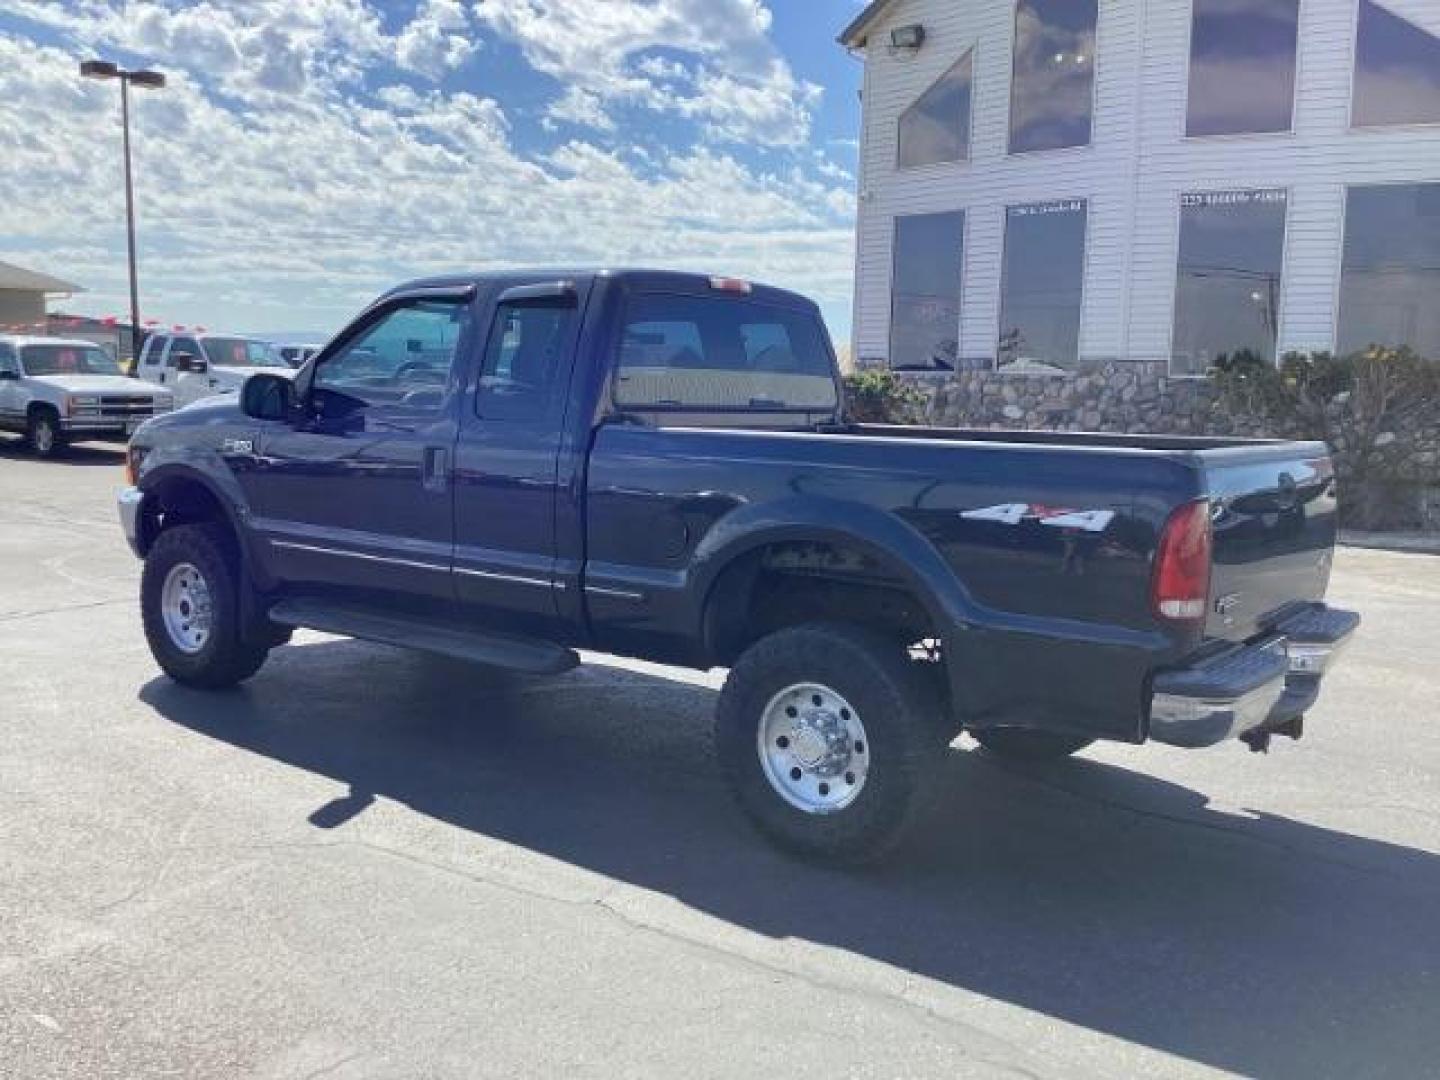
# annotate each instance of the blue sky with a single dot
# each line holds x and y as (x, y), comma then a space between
(307, 153)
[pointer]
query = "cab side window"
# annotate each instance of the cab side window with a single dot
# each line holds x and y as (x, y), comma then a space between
(154, 350)
(528, 352)
(185, 345)
(403, 360)
(8, 360)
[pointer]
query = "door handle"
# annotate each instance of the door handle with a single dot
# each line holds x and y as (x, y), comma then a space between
(435, 468)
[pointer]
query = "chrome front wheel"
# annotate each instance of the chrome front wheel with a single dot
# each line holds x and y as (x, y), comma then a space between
(186, 608)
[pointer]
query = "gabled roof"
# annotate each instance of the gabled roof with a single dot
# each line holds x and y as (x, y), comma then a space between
(22, 280)
(857, 33)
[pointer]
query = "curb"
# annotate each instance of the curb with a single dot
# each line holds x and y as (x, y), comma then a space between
(1413, 542)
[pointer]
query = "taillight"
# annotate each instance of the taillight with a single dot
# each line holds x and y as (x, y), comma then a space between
(1180, 587)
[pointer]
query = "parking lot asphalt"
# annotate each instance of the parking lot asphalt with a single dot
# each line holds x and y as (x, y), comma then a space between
(369, 864)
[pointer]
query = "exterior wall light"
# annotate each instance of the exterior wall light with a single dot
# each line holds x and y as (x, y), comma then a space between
(907, 38)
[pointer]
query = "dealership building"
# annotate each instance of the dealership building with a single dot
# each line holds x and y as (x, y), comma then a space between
(1131, 190)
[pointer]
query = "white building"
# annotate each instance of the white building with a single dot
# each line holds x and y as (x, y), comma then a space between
(1048, 184)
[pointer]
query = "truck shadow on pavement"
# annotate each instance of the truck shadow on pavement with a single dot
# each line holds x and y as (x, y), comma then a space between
(1099, 896)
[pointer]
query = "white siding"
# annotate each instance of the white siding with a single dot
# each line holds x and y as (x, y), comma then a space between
(1133, 174)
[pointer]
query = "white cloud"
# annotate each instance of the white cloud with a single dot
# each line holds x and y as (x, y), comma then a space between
(437, 40)
(734, 83)
(260, 209)
(581, 107)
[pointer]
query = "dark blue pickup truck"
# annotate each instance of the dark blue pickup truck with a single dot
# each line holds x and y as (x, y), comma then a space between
(509, 467)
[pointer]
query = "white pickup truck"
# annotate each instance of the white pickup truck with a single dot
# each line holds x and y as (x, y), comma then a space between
(53, 390)
(195, 366)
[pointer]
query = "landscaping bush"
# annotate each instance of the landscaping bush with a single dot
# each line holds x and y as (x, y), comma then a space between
(1379, 410)
(879, 396)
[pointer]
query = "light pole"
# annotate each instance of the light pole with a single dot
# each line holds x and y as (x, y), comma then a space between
(149, 80)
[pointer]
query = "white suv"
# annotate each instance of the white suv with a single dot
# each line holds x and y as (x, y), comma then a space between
(53, 390)
(196, 366)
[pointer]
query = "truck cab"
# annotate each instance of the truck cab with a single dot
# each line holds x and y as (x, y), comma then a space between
(201, 365)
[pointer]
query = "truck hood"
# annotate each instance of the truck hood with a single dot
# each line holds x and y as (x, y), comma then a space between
(99, 384)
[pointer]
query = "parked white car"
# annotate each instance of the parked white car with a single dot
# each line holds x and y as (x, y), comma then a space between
(53, 390)
(195, 366)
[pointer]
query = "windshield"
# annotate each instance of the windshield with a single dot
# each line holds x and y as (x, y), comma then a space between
(238, 352)
(68, 360)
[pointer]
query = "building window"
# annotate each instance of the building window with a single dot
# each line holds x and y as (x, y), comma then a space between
(937, 127)
(1052, 88)
(1041, 287)
(1397, 70)
(1390, 283)
(925, 292)
(1227, 290)
(1242, 66)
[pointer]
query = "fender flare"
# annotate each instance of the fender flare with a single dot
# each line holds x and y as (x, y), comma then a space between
(877, 533)
(217, 481)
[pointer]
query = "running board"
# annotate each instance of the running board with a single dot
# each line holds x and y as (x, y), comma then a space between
(493, 650)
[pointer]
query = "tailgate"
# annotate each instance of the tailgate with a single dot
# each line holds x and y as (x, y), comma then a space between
(1273, 511)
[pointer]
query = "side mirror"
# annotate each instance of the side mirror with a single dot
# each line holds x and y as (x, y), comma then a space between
(187, 361)
(267, 397)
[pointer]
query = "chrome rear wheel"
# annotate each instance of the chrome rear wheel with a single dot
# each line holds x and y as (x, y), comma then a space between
(813, 748)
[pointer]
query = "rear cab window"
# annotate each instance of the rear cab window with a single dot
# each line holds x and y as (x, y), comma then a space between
(700, 353)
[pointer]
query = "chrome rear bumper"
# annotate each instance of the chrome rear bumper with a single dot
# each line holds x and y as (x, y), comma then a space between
(1262, 686)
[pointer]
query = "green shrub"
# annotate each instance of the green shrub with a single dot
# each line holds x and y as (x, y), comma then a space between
(1379, 410)
(879, 396)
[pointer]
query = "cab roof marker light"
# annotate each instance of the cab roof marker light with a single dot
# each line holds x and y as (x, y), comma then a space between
(730, 284)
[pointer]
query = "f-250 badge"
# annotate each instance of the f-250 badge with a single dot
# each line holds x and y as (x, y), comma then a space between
(237, 446)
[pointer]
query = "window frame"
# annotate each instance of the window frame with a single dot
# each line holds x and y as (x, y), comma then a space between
(1344, 218)
(1280, 307)
(517, 298)
(1362, 129)
(617, 340)
(462, 296)
(1289, 132)
(965, 159)
(960, 284)
(1067, 373)
(1089, 144)
(154, 350)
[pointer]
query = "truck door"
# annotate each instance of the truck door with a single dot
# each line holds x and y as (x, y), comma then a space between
(506, 461)
(188, 385)
(358, 496)
(12, 398)
(151, 365)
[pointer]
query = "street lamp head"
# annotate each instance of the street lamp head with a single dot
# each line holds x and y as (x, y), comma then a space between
(99, 69)
(151, 80)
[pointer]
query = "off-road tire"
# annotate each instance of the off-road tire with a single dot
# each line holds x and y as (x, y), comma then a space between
(1022, 744)
(903, 721)
(43, 433)
(226, 657)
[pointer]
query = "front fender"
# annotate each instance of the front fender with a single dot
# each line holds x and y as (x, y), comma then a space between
(206, 468)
